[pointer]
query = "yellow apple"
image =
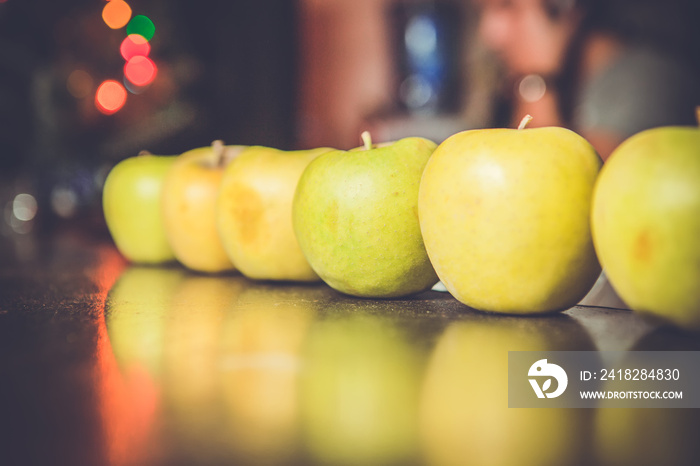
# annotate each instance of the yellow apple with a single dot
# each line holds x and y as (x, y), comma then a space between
(254, 213)
(131, 201)
(646, 223)
(189, 198)
(505, 218)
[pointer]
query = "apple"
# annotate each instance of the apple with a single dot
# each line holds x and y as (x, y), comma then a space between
(254, 213)
(131, 203)
(646, 223)
(464, 413)
(355, 217)
(190, 191)
(505, 218)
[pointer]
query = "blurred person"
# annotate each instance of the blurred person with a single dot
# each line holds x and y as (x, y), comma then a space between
(589, 65)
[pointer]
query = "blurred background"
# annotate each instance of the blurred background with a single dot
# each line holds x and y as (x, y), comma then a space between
(87, 83)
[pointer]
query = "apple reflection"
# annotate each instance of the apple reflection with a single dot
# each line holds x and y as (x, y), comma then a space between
(636, 436)
(191, 370)
(360, 392)
(464, 414)
(220, 369)
(135, 311)
(216, 360)
(261, 342)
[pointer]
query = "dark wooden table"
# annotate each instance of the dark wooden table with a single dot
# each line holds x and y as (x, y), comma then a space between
(103, 363)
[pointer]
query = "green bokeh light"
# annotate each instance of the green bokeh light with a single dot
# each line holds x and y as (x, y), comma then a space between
(141, 25)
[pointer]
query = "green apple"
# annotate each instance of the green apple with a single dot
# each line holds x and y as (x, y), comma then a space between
(356, 219)
(254, 213)
(131, 201)
(464, 413)
(646, 223)
(505, 218)
(190, 191)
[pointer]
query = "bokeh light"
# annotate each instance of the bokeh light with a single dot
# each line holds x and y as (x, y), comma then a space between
(64, 202)
(116, 13)
(134, 45)
(24, 207)
(20, 212)
(532, 88)
(79, 83)
(110, 97)
(140, 70)
(141, 25)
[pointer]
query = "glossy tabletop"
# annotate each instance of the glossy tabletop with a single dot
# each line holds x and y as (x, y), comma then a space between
(103, 363)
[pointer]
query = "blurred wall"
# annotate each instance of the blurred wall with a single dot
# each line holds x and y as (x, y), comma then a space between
(347, 66)
(345, 69)
(349, 73)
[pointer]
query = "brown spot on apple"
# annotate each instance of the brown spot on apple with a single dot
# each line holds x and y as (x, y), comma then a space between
(247, 213)
(643, 247)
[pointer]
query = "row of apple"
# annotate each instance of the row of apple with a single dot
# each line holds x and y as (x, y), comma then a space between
(512, 221)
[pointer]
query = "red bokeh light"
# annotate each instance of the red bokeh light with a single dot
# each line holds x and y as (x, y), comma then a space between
(134, 45)
(110, 97)
(140, 70)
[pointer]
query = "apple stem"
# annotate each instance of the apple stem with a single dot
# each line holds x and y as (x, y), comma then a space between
(697, 114)
(219, 149)
(143, 152)
(367, 139)
(525, 121)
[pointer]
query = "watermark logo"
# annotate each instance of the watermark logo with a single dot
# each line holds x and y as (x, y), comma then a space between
(604, 379)
(542, 369)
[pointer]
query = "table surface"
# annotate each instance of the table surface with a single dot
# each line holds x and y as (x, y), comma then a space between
(104, 363)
